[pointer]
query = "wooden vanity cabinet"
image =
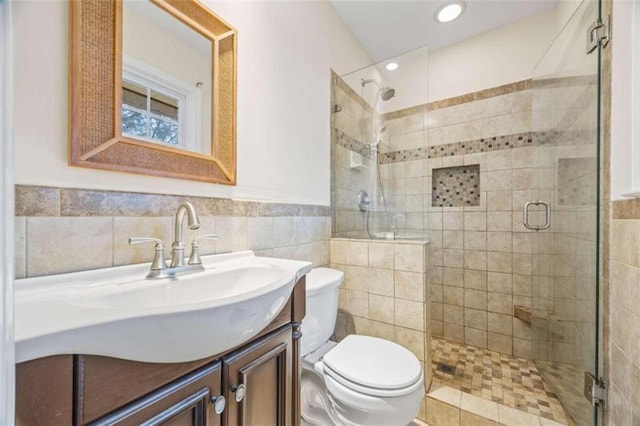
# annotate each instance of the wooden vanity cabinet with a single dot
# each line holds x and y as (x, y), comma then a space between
(263, 374)
(94, 390)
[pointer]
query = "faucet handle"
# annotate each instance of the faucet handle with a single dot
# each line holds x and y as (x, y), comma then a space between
(158, 262)
(195, 259)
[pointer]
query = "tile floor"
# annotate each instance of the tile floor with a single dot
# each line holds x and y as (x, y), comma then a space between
(513, 382)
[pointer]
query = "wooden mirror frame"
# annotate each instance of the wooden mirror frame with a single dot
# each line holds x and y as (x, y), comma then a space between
(95, 95)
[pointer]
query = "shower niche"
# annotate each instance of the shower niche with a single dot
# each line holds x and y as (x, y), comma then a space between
(456, 186)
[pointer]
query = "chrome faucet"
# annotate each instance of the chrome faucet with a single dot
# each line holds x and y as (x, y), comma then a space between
(159, 268)
(177, 247)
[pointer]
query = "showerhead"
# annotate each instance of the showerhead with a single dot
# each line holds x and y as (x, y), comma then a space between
(387, 93)
(384, 92)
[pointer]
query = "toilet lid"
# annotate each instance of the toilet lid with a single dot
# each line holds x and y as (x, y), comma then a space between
(322, 279)
(374, 363)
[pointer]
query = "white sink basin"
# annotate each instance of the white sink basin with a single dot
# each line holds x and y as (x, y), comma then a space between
(116, 312)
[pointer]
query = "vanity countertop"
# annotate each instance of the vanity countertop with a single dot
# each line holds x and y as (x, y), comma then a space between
(117, 312)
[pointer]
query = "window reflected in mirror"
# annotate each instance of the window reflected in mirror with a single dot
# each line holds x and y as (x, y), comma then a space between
(166, 79)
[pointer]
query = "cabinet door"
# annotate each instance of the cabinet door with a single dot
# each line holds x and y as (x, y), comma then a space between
(258, 382)
(185, 402)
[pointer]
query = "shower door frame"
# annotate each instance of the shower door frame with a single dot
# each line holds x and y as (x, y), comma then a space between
(595, 244)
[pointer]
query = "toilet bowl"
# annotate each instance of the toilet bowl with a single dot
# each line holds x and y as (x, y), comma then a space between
(360, 381)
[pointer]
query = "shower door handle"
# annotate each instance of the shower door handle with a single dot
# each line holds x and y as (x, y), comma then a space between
(547, 210)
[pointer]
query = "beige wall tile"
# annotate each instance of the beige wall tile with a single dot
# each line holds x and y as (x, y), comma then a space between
(499, 160)
(499, 282)
(475, 279)
(357, 253)
(381, 308)
(499, 241)
(475, 259)
(453, 239)
(453, 295)
(441, 414)
(381, 330)
(338, 252)
(453, 314)
(499, 221)
(409, 314)
(356, 303)
(475, 221)
(260, 233)
(412, 340)
(232, 233)
(410, 285)
(20, 247)
(357, 278)
(475, 240)
(482, 407)
(453, 221)
(475, 337)
(469, 419)
(512, 417)
(453, 277)
(500, 343)
(282, 235)
(154, 227)
(476, 299)
(88, 244)
(453, 258)
(499, 200)
(409, 257)
(499, 262)
(381, 281)
(499, 323)
(500, 303)
(475, 318)
(381, 255)
(522, 348)
(453, 332)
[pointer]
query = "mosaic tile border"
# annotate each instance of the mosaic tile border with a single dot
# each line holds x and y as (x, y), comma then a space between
(52, 201)
(495, 143)
(351, 143)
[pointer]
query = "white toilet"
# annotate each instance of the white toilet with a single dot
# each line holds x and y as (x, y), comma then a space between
(361, 380)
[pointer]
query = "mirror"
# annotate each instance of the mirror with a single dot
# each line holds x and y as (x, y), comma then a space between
(166, 79)
(153, 89)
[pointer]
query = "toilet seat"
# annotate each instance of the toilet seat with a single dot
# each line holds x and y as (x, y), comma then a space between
(373, 366)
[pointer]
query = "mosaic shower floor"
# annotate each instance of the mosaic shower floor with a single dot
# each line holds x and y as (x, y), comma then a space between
(514, 382)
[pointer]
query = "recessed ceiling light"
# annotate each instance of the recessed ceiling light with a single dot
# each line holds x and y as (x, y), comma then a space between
(449, 11)
(391, 66)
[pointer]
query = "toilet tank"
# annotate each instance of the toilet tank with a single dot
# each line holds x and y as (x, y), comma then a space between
(322, 307)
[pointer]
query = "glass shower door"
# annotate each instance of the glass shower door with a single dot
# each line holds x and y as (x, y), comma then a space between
(565, 255)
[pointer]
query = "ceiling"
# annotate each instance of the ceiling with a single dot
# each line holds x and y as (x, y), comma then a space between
(387, 28)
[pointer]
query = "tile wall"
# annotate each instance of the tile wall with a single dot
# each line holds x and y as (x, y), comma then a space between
(385, 294)
(481, 256)
(624, 299)
(350, 133)
(64, 230)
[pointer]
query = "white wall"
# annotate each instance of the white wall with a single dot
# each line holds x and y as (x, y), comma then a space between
(285, 52)
(621, 99)
(504, 55)
(7, 349)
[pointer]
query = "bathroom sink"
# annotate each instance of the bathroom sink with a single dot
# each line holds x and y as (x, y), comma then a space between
(207, 288)
(116, 312)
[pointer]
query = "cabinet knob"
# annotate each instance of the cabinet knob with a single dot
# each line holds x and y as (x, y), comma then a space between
(240, 391)
(219, 403)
